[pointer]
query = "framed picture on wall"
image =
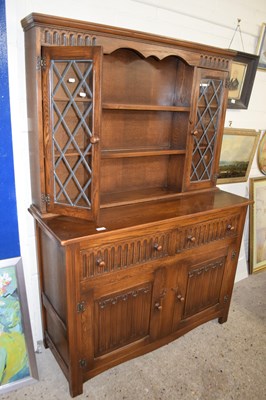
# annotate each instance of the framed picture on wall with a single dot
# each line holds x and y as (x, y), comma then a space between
(261, 47)
(262, 154)
(243, 72)
(237, 153)
(17, 357)
(257, 224)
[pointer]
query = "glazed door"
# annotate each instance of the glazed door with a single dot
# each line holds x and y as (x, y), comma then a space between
(205, 135)
(71, 115)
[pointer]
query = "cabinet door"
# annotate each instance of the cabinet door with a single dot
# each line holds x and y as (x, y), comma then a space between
(201, 290)
(121, 318)
(205, 135)
(71, 115)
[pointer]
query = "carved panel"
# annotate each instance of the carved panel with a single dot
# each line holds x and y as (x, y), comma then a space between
(203, 286)
(117, 322)
(214, 62)
(122, 255)
(196, 235)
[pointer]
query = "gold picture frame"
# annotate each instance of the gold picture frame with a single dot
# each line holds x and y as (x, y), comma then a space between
(257, 237)
(261, 47)
(262, 154)
(237, 153)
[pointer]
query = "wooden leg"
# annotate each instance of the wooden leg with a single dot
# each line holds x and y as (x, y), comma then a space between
(223, 319)
(75, 389)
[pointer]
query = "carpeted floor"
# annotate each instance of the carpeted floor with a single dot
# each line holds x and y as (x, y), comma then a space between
(213, 362)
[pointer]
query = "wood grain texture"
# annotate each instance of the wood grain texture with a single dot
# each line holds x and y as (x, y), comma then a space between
(155, 254)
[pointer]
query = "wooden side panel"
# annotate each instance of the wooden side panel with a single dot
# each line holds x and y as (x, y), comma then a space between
(54, 274)
(53, 286)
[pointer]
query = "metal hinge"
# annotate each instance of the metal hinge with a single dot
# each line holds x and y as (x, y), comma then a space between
(41, 63)
(233, 255)
(83, 363)
(226, 298)
(215, 177)
(81, 307)
(45, 198)
(227, 83)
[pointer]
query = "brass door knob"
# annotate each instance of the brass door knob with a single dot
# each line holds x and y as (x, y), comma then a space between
(94, 139)
(180, 298)
(158, 306)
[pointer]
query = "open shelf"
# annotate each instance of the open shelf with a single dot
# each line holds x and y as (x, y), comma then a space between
(139, 153)
(144, 107)
(136, 196)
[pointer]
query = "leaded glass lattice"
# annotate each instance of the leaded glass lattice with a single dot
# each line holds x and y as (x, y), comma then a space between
(72, 119)
(208, 111)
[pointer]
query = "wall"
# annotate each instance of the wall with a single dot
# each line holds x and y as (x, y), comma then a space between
(210, 21)
(9, 240)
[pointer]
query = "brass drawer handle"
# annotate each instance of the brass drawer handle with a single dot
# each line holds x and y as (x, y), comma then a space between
(100, 263)
(191, 239)
(158, 247)
(230, 227)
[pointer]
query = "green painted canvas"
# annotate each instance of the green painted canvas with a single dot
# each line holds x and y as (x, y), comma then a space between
(14, 363)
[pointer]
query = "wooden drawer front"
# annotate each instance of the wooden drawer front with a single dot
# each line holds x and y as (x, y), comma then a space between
(116, 321)
(205, 232)
(122, 255)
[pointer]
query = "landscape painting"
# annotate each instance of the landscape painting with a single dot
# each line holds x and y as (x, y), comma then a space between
(17, 359)
(257, 226)
(238, 149)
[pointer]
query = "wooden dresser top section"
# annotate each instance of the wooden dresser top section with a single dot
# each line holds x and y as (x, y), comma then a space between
(117, 220)
(64, 31)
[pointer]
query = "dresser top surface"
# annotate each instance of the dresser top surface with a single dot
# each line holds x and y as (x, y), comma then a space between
(69, 230)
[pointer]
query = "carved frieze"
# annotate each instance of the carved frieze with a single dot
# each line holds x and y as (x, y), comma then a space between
(192, 236)
(122, 255)
(124, 296)
(213, 62)
(60, 37)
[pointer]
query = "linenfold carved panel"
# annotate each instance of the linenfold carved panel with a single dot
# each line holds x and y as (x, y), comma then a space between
(122, 255)
(211, 274)
(119, 322)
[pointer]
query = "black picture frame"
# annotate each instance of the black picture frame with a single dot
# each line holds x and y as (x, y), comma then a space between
(242, 76)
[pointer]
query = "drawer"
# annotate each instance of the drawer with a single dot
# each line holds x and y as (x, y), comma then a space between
(123, 254)
(204, 232)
